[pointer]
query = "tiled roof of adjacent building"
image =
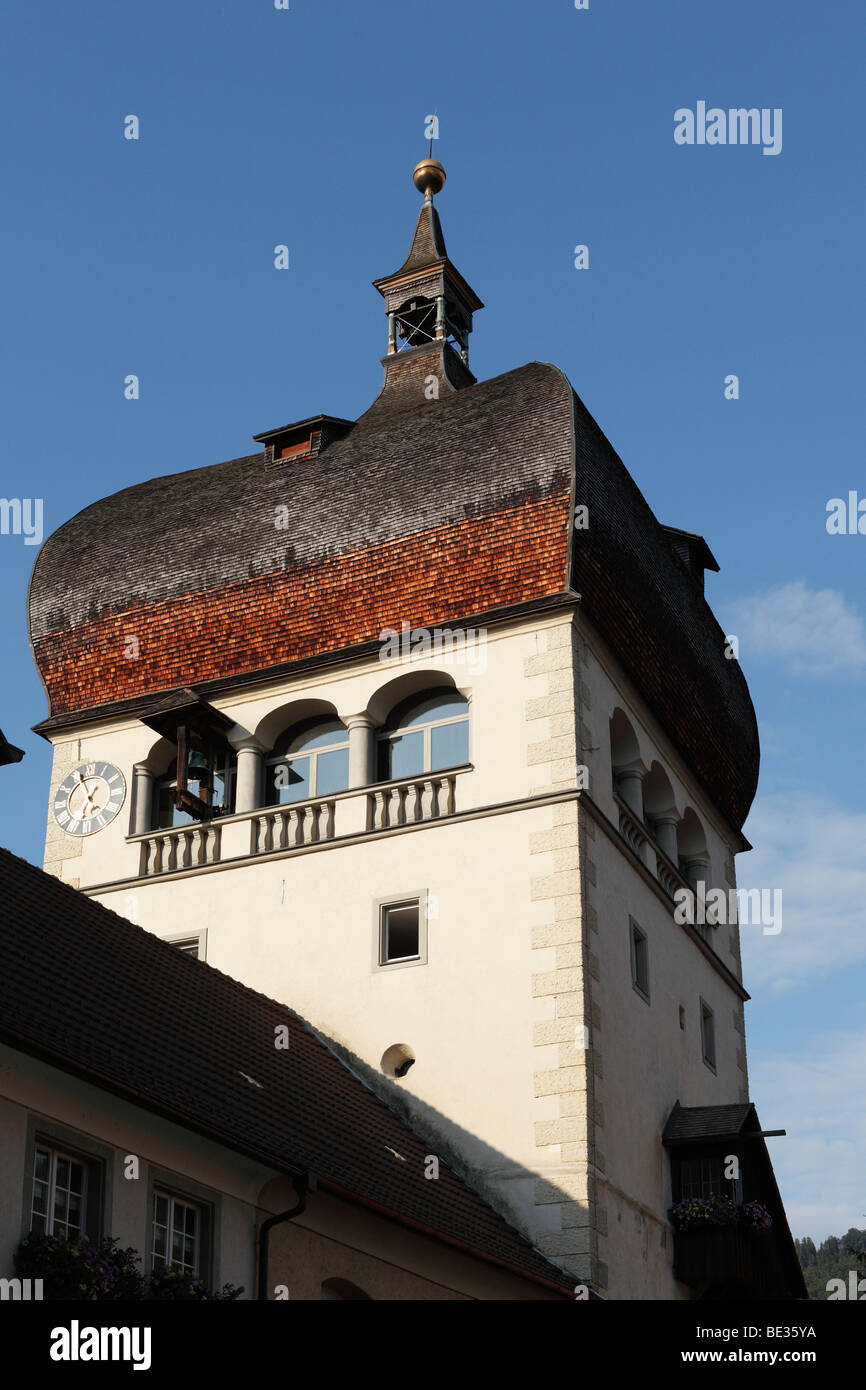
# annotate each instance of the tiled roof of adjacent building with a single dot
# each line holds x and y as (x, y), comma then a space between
(432, 512)
(92, 994)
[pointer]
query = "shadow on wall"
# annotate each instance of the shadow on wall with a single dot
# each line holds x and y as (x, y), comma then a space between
(492, 1178)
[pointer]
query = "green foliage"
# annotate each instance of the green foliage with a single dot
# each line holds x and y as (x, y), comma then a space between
(80, 1270)
(832, 1259)
(697, 1212)
(180, 1285)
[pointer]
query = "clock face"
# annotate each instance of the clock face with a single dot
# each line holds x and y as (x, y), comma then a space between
(89, 798)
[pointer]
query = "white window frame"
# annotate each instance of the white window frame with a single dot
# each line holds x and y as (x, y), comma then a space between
(419, 898)
(427, 731)
(186, 939)
(274, 760)
(54, 1154)
(174, 1201)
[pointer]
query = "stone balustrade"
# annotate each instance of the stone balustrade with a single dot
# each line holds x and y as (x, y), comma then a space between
(272, 829)
(186, 847)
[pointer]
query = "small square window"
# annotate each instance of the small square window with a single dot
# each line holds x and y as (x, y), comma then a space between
(400, 932)
(708, 1035)
(640, 960)
(190, 945)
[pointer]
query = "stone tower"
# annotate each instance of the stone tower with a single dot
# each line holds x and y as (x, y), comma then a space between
(423, 723)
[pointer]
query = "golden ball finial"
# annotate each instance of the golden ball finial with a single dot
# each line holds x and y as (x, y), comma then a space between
(429, 176)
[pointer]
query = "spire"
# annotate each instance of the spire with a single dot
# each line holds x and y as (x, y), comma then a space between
(428, 243)
(429, 307)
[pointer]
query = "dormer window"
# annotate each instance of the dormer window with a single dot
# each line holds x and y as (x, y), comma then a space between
(304, 439)
(692, 553)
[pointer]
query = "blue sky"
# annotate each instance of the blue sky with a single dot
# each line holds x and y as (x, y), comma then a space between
(260, 127)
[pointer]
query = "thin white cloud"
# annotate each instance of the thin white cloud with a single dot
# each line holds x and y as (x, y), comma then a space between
(812, 630)
(817, 1096)
(815, 852)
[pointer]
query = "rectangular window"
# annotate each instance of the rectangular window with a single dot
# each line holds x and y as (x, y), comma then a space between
(400, 933)
(708, 1035)
(700, 1177)
(704, 1176)
(294, 780)
(59, 1199)
(332, 771)
(639, 960)
(177, 1230)
(449, 744)
(189, 945)
(407, 755)
(400, 929)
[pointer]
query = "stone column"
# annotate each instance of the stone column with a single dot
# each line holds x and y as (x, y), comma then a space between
(248, 791)
(629, 784)
(362, 748)
(666, 834)
(698, 871)
(142, 815)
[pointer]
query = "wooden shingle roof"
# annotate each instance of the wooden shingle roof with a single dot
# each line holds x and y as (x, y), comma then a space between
(430, 512)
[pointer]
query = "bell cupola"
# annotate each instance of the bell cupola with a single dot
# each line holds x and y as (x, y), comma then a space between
(429, 307)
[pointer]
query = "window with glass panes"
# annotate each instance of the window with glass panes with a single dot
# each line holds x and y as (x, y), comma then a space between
(640, 960)
(425, 734)
(59, 1193)
(311, 759)
(704, 1176)
(708, 1035)
(177, 1234)
(399, 937)
(189, 945)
